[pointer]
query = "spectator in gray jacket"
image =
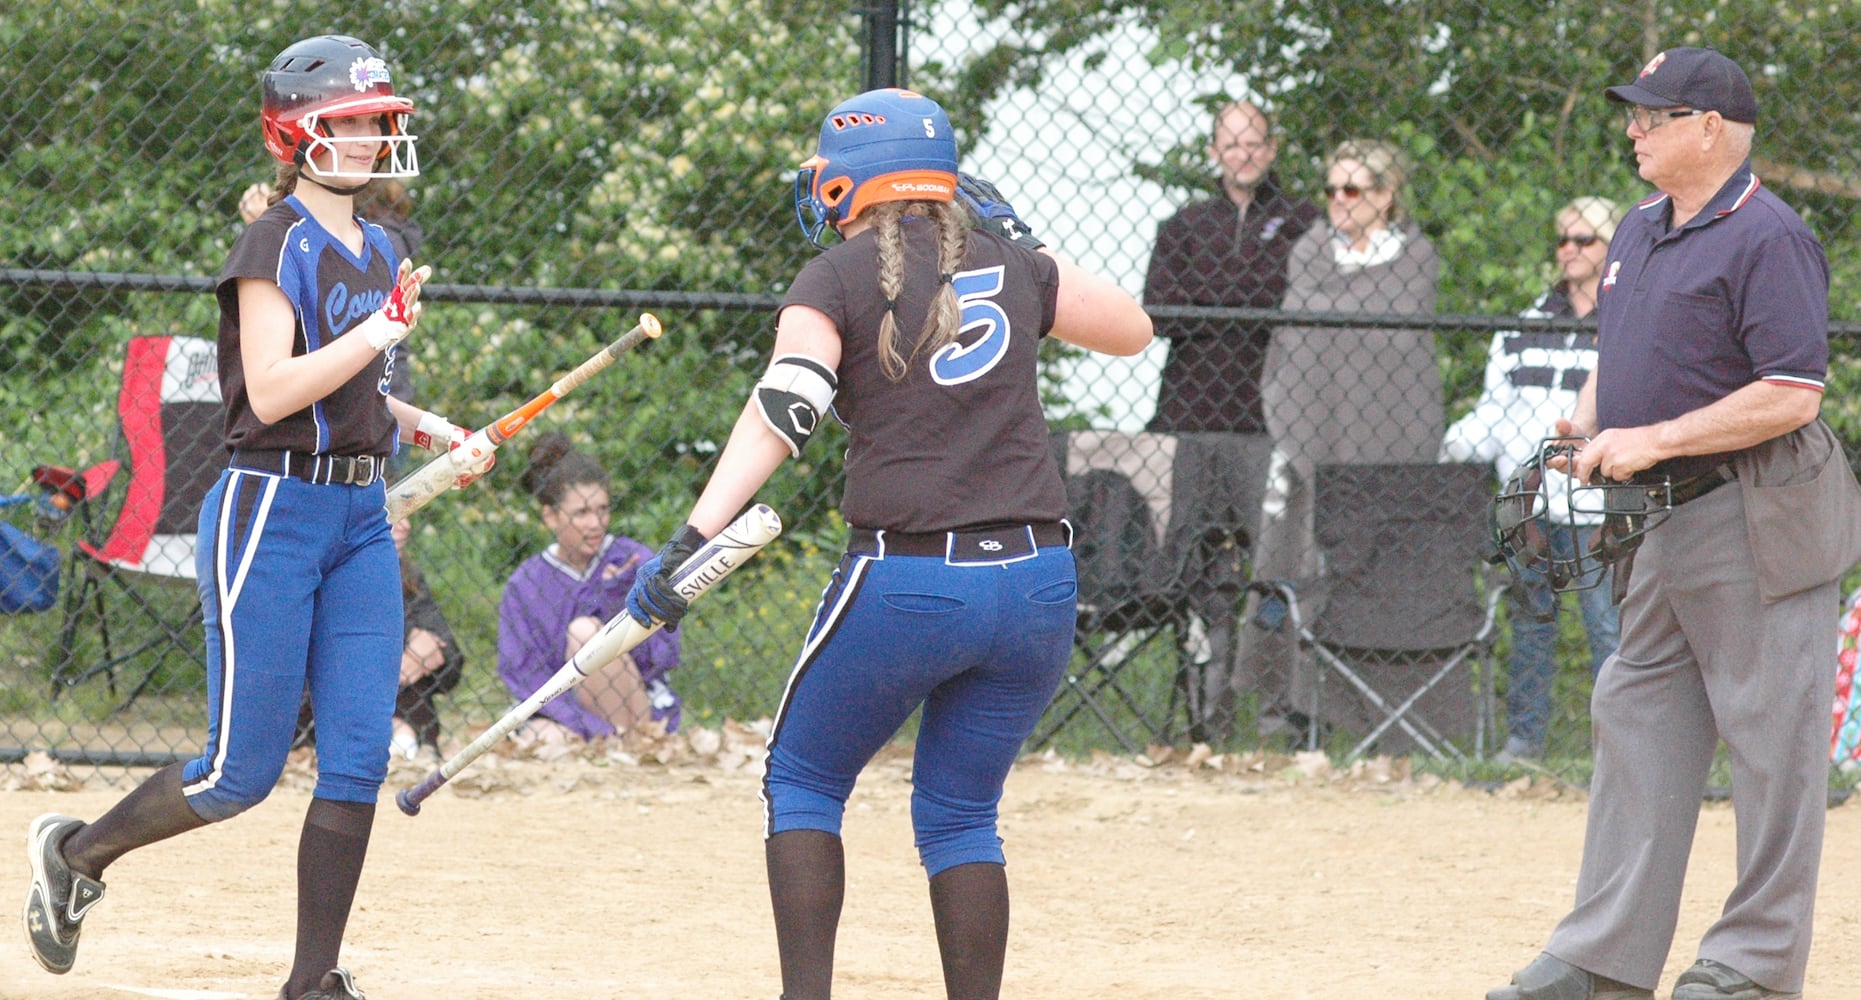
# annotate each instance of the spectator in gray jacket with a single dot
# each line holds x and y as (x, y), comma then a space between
(1358, 394)
(1343, 394)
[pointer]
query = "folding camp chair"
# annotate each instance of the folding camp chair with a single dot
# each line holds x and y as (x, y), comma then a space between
(169, 408)
(1161, 525)
(1404, 615)
(1120, 623)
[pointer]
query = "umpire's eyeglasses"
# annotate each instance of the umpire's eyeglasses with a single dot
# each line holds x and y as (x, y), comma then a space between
(1581, 240)
(1649, 119)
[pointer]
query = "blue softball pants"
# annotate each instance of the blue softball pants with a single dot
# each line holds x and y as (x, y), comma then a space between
(982, 648)
(299, 586)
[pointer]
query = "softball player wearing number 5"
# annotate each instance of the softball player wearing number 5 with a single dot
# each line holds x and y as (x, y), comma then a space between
(299, 581)
(957, 591)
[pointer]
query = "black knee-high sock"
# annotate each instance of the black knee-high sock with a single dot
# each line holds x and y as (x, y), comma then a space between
(155, 810)
(329, 864)
(970, 905)
(807, 882)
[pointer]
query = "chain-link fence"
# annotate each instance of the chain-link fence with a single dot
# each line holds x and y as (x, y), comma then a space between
(584, 162)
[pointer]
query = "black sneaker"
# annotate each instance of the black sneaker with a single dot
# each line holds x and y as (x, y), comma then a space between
(1710, 980)
(336, 984)
(1551, 978)
(59, 897)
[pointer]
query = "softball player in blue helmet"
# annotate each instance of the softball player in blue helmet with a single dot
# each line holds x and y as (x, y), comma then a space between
(299, 582)
(956, 595)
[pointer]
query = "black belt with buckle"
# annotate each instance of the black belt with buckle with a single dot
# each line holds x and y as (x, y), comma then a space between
(1698, 486)
(339, 470)
(985, 546)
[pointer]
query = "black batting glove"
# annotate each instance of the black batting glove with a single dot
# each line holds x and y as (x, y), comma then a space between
(992, 211)
(652, 596)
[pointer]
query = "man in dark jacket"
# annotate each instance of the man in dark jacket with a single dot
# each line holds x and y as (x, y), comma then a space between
(1228, 251)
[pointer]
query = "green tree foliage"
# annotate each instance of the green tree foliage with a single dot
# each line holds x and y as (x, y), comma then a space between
(642, 145)
(607, 145)
(1500, 104)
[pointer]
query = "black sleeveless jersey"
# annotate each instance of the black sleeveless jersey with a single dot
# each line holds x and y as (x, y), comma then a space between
(961, 441)
(331, 290)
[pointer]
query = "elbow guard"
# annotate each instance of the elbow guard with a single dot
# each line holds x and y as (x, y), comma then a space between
(791, 397)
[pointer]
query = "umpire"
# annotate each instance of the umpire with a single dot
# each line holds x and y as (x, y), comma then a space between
(1712, 326)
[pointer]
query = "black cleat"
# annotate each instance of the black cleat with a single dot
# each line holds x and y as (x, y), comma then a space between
(1710, 980)
(59, 897)
(1551, 978)
(336, 984)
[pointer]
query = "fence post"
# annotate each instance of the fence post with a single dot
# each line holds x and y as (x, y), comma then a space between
(884, 67)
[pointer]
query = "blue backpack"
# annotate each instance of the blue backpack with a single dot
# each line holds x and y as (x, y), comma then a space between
(28, 572)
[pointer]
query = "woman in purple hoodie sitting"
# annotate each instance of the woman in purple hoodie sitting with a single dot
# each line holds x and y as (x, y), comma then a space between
(559, 597)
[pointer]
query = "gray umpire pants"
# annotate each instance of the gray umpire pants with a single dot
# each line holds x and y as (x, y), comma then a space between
(1702, 659)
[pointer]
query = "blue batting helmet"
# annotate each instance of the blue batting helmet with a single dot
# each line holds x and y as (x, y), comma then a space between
(884, 145)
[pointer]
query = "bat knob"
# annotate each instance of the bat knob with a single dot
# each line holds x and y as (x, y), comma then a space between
(406, 802)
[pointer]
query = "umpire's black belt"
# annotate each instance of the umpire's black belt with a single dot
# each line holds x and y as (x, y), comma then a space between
(990, 546)
(1698, 486)
(340, 470)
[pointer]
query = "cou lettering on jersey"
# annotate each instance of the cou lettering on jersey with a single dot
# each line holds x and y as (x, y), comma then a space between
(342, 310)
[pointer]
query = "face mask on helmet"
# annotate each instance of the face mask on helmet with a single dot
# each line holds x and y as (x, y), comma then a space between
(884, 145)
(1539, 499)
(331, 77)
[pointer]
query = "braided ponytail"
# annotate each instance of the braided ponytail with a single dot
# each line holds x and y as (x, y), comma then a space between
(886, 220)
(944, 319)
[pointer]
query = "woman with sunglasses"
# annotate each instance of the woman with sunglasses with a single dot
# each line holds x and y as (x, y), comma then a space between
(1344, 394)
(1532, 379)
(1358, 394)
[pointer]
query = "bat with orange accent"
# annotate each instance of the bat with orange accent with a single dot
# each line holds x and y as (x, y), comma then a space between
(438, 475)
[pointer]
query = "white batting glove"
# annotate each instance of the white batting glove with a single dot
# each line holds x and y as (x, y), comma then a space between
(434, 431)
(469, 459)
(472, 456)
(468, 462)
(397, 317)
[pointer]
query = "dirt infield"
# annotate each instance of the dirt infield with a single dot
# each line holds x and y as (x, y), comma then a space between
(622, 877)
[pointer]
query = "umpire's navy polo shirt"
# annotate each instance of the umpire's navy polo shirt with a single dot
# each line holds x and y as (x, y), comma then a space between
(1685, 318)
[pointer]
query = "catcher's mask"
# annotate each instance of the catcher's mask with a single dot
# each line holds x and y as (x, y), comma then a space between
(1538, 497)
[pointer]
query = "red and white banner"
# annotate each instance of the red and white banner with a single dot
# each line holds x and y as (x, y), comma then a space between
(1845, 741)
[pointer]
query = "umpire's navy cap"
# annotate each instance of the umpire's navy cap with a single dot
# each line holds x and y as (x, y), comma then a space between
(1693, 78)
